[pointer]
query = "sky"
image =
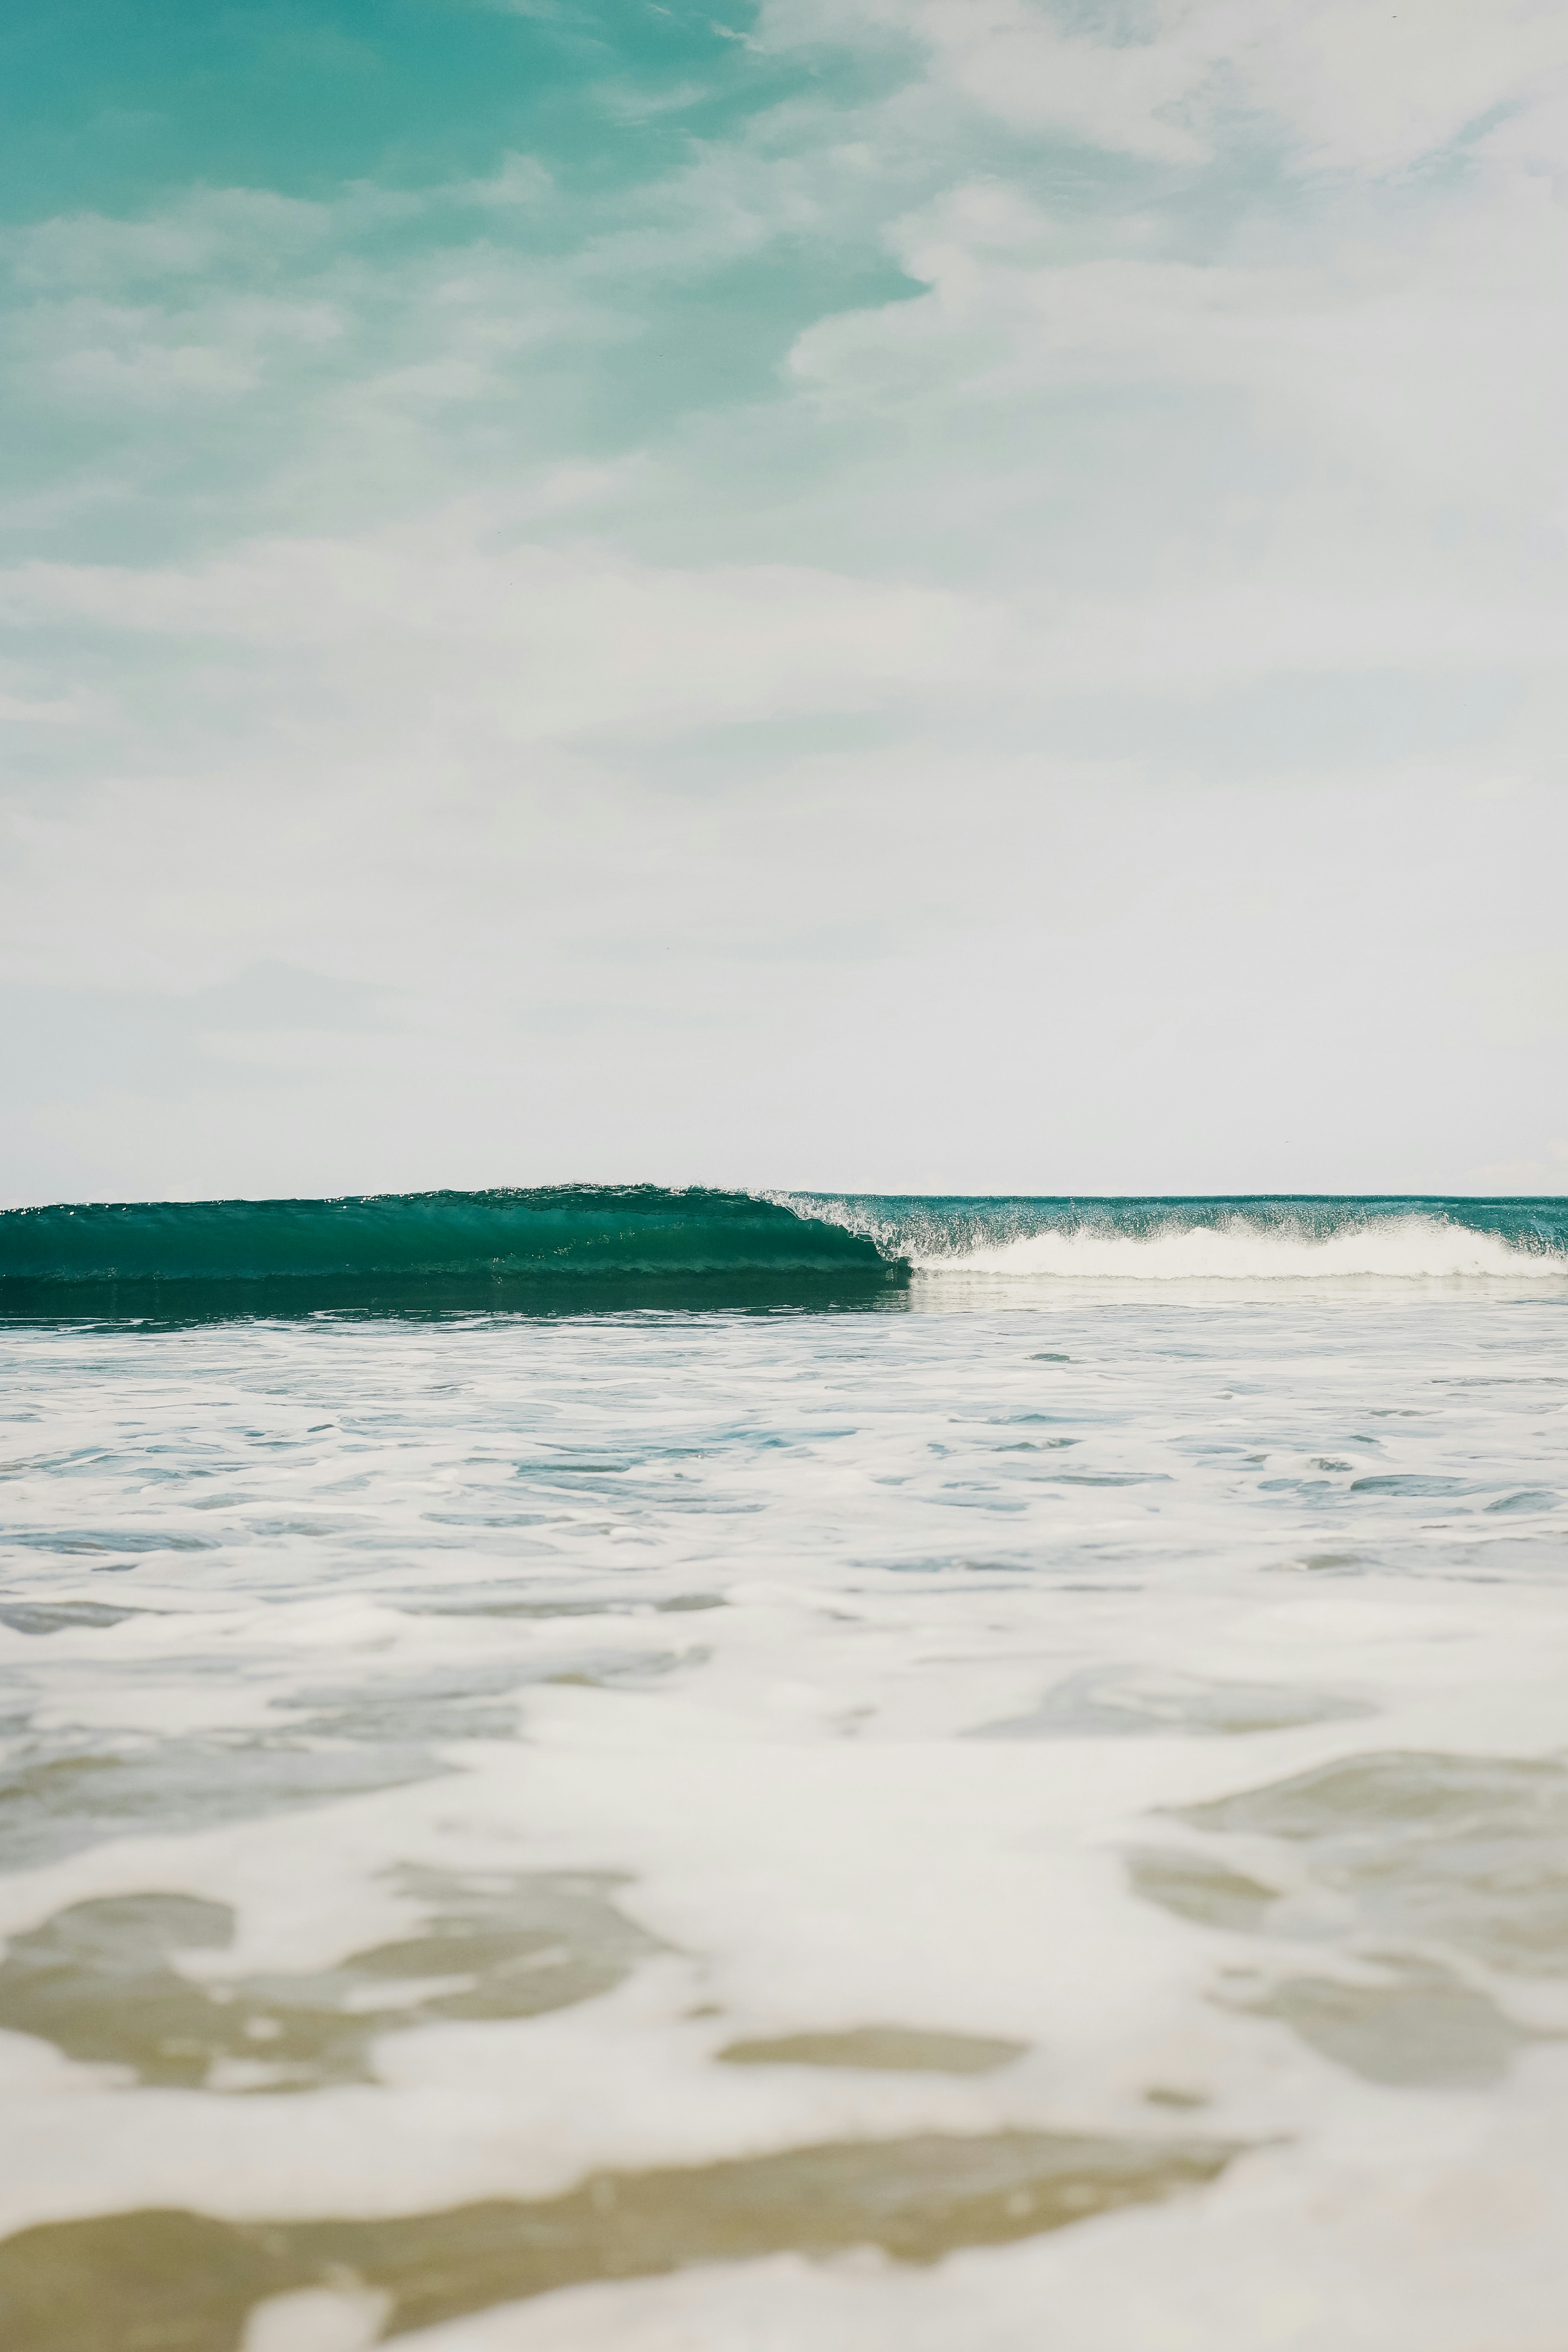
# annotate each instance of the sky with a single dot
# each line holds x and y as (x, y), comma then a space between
(950, 596)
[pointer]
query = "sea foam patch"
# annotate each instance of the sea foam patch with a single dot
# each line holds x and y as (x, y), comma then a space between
(684, 1626)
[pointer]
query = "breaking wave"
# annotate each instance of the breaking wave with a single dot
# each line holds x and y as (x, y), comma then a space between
(559, 1248)
(1238, 1240)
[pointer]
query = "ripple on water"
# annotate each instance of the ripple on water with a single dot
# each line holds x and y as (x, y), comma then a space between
(192, 2281)
(900, 2048)
(58, 1797)
(1426, 1872)
(1121, 1702)
(102, 1979)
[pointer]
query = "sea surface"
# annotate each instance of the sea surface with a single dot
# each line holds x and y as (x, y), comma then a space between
(628, 1771)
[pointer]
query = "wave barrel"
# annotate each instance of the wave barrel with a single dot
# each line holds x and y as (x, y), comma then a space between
(557, 1247)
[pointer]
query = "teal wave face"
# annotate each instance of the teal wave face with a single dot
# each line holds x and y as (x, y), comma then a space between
(435, 1249)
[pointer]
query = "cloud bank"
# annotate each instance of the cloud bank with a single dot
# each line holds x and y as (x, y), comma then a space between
(937, 595)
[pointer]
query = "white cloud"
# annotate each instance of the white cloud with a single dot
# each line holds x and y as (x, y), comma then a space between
(1548, 1175)
(155, 375)
(550, 642)
(198, 232)
(1350, 87)
(1374, 88)
(1429, 353)
(93, 355)
(519, 180)
(1022, 69)
(33, 709)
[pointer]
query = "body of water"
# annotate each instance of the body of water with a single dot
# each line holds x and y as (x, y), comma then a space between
(655, 1773)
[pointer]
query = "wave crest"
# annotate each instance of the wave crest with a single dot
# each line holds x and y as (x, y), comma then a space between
(1414, 1250)
(1238, 1240)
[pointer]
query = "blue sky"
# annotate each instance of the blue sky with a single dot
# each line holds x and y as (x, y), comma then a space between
(922, 594)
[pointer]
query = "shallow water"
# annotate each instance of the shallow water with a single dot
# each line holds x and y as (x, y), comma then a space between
(834, 1829)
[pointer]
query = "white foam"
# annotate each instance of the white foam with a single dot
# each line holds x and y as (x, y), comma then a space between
(1157, 1552)
(321, 2319)
(1404, 1249)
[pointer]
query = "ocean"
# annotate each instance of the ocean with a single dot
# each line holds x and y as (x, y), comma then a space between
(623, 1771)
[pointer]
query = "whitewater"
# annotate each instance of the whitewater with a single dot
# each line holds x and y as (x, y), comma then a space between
(605, 1770)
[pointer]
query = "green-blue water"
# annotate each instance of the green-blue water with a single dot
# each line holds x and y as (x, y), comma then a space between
(603, 1244)
(525, 1831)
(606, 1244)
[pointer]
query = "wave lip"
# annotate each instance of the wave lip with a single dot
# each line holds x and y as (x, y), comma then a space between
(598, 1243)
